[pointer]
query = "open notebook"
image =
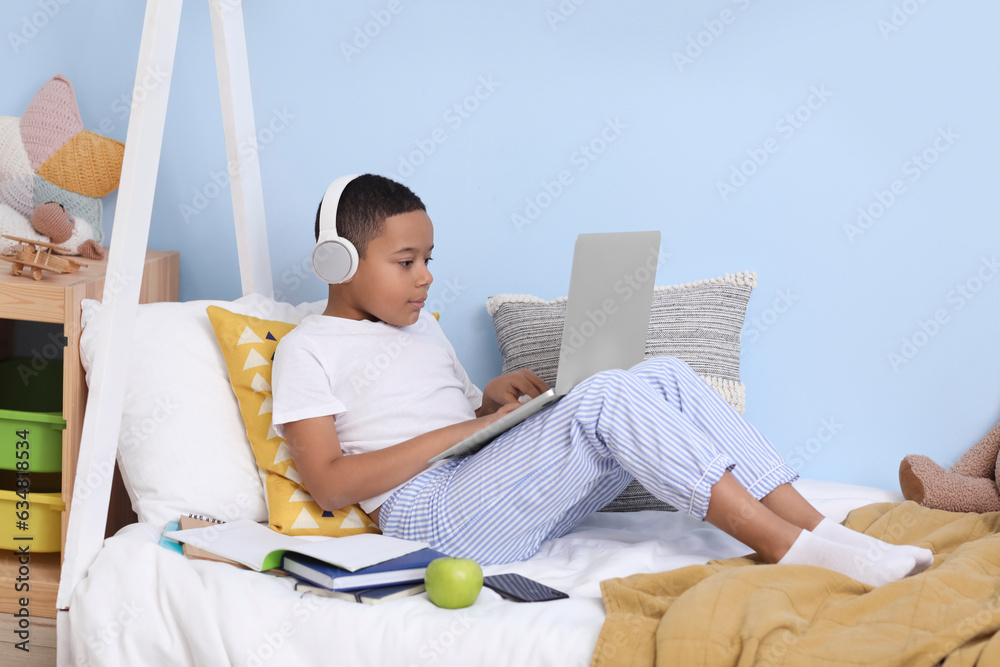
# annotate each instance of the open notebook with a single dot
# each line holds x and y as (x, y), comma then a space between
(260, 548)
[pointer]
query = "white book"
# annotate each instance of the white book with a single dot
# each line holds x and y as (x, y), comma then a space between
(260, 548)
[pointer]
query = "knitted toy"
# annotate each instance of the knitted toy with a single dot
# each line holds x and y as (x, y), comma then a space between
(971, 485)
(46, 156)
(54, 221)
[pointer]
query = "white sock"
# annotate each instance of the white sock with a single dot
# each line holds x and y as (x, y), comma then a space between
(874, 568)
(833, 531)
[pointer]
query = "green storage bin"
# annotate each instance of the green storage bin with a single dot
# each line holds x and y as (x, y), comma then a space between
(31, 402)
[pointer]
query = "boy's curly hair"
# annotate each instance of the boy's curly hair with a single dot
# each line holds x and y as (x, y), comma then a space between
(365, 204)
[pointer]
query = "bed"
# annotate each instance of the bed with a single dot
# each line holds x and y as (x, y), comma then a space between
(144, 604)
(183, 447)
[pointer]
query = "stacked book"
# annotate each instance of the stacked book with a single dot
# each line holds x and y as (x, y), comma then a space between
(365, 568)
(396, 578)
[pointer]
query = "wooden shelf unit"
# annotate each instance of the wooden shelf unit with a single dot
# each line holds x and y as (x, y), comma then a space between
(56, 299)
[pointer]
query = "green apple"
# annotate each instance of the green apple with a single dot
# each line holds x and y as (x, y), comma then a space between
(453, 583)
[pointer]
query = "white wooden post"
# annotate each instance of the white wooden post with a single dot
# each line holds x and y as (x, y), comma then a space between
(244, 166)
(129, 238)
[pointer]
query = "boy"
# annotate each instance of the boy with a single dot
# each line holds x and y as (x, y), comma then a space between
(359, 438)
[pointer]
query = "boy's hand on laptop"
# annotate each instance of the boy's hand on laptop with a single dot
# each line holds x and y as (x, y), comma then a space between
(486, 420)
(508, 388)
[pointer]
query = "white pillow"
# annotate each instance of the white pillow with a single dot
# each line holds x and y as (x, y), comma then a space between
(183, 447)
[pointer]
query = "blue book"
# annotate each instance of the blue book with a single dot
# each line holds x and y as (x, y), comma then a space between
(402, 570)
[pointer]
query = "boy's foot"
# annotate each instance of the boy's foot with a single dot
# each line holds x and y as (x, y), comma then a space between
(830, 530)
(873, 567)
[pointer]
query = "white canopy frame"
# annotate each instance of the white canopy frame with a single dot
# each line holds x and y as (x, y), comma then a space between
(126, 258)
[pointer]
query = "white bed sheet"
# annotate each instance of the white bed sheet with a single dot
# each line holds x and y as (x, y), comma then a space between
(142, 604)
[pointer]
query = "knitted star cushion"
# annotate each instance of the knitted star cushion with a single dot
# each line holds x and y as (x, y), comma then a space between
(46, 155)
(17, 178)
(51, 119)
(88, 164)
(699, 322)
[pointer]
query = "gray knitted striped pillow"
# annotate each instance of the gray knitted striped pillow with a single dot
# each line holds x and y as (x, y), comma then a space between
(698, 322)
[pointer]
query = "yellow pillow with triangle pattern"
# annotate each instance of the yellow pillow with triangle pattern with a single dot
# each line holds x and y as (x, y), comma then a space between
(248, 345)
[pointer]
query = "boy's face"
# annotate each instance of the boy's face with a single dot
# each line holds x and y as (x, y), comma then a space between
(392, 278)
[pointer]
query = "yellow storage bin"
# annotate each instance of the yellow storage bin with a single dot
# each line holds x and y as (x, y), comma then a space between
(43, 522)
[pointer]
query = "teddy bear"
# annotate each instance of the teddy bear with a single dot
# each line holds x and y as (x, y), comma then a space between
(971, 485)
(53, 173)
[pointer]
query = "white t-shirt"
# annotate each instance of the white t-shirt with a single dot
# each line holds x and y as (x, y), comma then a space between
(384, 384)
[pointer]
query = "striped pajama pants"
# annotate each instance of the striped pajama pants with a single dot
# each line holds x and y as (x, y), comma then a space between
(658, 422)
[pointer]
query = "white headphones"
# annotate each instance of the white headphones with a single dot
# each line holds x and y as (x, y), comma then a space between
(334, 259)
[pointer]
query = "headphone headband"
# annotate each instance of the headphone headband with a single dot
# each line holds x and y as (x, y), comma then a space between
(328, 212)
(334, 259)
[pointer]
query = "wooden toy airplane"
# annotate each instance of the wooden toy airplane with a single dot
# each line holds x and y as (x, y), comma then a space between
(37, 256)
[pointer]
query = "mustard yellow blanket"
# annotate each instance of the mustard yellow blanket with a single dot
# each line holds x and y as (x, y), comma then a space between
(738, 612)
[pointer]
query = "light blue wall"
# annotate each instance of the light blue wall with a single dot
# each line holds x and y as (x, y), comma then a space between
(828, 310)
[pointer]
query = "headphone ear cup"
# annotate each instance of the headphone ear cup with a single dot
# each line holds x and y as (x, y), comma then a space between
(335, 260)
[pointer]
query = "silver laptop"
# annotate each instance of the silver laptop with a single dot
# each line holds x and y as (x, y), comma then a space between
(607, 315)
